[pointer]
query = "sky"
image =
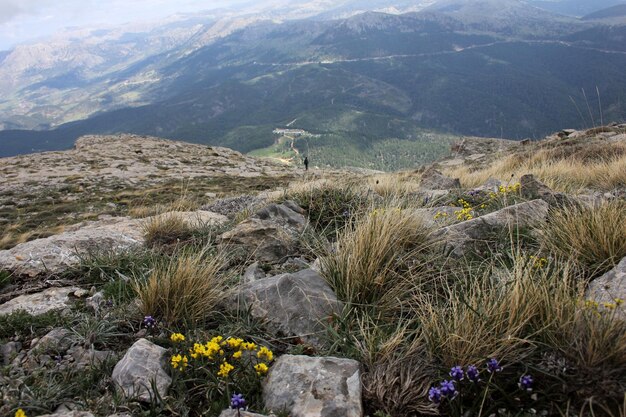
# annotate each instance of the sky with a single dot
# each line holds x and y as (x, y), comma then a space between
(26, 20)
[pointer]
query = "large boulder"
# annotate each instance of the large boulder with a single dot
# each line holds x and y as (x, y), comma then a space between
(610, 288)
(298, 304)
(531, 188)
(41, 302)
(141, 369)
(314, 387)
(462, 236)
(435, 180)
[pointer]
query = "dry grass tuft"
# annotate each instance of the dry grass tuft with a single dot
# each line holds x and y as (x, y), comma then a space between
(186, 290)
(165, 229)
(372, 258)
(397, 185)
(594, 237)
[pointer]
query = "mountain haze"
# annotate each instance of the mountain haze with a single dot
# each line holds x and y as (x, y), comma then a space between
(455, 67)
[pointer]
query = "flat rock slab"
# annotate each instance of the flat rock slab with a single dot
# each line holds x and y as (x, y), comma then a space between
(314, 387)
(610, 287)
(294, 304)
(41, 302)
(460, 236)
(56, 254)
(141, 368)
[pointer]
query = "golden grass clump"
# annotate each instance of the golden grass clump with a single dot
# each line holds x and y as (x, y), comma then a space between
(166, 228)
(593, 236)
(185, 290)
(603, 168)
(396, 185)
(370, 257)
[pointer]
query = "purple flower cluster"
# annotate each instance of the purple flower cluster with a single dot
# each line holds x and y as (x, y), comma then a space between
(449, 390)
(526, 382)
(149, 322)
(237, 402)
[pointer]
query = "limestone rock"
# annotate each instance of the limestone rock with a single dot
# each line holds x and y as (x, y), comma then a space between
(56, 254)
(57, 340)
(253, 273)
(287, 214)
(9, 351)
(435, 180)
(39, 303)
(264, 240)
(460, 236)
(532, 188)
(610, 286)
(294, 304)
(140, 369)
(314, 387)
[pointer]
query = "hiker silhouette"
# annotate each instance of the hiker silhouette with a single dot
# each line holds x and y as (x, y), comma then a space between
(306, 163)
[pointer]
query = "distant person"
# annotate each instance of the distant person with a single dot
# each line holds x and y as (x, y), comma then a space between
(306, 163)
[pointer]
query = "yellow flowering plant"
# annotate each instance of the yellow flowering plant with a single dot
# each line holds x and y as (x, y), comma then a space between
(215, 369)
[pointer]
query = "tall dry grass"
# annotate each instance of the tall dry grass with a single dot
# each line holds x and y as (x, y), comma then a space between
(593, 236)
(371, 260)
(561, 172)
(185, 290)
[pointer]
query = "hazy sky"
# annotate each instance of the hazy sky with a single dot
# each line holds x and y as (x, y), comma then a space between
(23, 20)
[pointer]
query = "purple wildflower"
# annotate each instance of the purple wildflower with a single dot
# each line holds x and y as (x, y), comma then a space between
(149, 322)
(237, 402)
(493, 365)
(457, 373)
(434, 395)
(473, 374)
(448, 389)
(526, 382)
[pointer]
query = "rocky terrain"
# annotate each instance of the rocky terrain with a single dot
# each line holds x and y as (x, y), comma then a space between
(489, 282)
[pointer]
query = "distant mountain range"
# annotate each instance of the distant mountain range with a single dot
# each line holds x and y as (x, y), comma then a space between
(500, 68)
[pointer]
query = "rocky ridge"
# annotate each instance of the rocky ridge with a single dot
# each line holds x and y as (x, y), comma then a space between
(294, 305)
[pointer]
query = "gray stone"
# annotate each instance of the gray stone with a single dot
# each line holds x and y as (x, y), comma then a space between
(233, 205)
(57, 340)
(288, 214)
(56, 254)
(610, 287)
(253, 273)
(435, 180)
(83, 358)
(263, 240)
(459, 237)
(39, 303)
(141, 368)
(314, 387)
(532, 188)
(9, 351)
(294, 304)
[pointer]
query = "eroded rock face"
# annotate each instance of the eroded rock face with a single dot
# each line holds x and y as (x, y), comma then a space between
(141, 368)
(435, 180)
(294, 304)
(532, 188)
(461, 236)
(41, 302)
(314, 387)
(610, 287)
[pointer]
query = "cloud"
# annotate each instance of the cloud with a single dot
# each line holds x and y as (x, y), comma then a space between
(10, 9)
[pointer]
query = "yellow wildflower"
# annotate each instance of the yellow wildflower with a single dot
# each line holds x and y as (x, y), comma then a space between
(248, 346)
(20, 413)
(179, 362)
(234, 343)
(237, 355)
(609, 306)
(225, 369)
(618, 301)
(177, 337)
(265, 352)
(261, 369)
